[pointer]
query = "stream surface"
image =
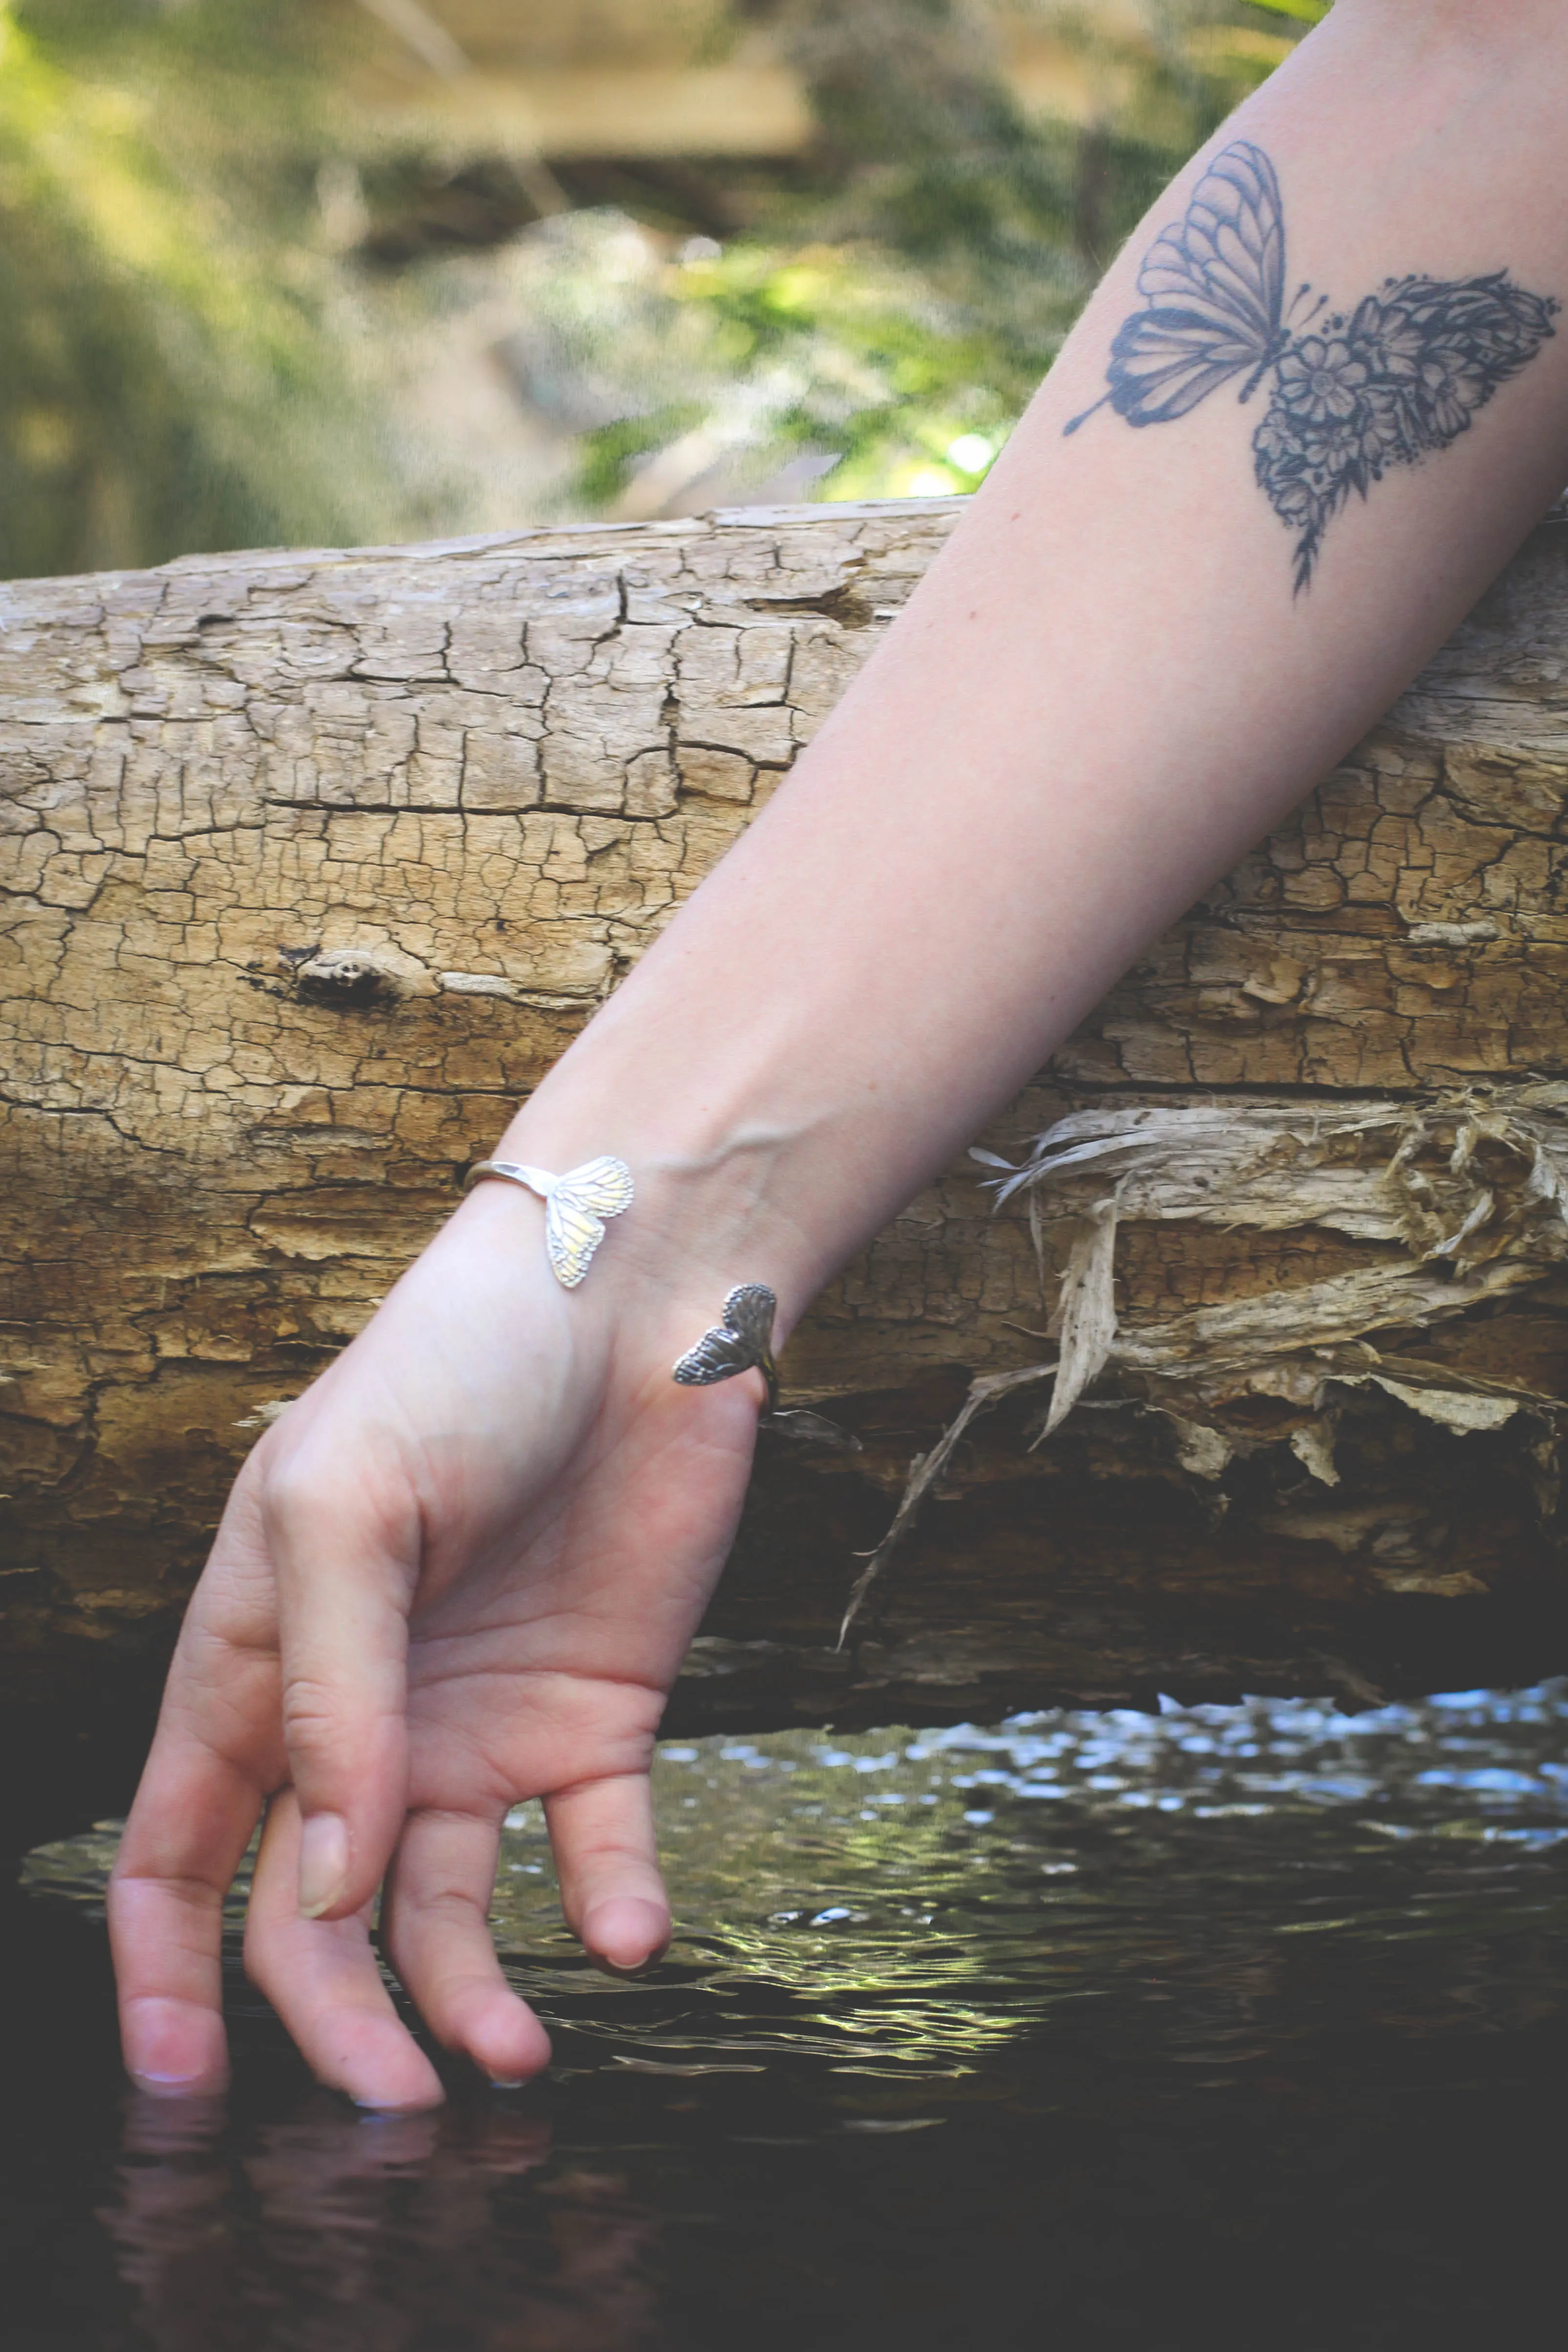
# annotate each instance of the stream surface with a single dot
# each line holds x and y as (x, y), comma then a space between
(1233, 2025)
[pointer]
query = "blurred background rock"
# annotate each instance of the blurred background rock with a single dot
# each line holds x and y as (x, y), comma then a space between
(343, 271)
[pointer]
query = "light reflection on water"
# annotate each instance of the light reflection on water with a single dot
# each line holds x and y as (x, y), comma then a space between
(849, 1898)
(1089, 2022)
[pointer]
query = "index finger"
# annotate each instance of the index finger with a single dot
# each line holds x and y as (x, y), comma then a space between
(188, 1829)
(216, 1751)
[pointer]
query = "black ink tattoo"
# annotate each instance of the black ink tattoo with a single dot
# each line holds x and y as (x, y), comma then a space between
(1396, 382)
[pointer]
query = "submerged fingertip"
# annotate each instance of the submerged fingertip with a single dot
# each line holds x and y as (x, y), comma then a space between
(176, 2087)
(420, 2089)
(375, 2061)
(173, 2049)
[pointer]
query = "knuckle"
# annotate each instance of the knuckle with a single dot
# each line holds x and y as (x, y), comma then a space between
(313, 1717)
(335, 1462)
(295, 1492)
(330, 1728)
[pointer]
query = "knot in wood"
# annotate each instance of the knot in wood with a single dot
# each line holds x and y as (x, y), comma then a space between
(351, 978)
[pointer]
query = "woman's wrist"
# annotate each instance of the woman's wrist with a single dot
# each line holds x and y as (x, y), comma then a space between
(718, 1198)
(700, 1222)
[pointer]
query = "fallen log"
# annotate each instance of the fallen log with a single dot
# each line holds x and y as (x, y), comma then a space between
(314, 862)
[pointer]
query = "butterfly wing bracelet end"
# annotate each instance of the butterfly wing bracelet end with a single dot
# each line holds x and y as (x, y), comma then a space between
(742, 1342)
(576, 1206)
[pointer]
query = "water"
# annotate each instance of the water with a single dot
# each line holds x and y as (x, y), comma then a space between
(1242, 2024)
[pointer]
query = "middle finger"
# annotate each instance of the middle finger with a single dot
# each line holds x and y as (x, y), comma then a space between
(321, 1976)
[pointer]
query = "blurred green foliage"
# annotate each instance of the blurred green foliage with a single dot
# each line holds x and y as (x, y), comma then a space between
(189, 361)
(172, 375)
(947, 264)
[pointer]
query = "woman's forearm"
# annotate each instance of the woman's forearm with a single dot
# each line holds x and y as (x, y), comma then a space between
(1146, 639)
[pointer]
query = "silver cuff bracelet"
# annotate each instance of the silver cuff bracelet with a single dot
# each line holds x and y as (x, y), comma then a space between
(576, 1206)
(742, 1343)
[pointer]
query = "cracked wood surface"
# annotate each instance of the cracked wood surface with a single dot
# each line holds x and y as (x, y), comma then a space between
(313, 863)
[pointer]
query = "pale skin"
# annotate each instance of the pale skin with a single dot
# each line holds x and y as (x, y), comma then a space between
(463, 1568)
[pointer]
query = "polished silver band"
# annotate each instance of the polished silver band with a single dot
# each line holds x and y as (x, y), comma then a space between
(513, 1170)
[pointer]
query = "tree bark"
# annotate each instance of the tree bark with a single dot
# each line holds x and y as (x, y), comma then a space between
(315, 862)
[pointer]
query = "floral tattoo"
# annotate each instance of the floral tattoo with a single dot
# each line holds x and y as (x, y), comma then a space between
(1394, 381)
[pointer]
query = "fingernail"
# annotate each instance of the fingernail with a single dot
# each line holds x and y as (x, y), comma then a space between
(323, 1864)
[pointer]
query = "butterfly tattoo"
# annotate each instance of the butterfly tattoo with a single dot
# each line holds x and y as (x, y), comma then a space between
(1392, 383)
(576, 1206)
(744, 1341)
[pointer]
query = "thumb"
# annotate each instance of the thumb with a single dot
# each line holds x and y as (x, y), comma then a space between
(346, 1566)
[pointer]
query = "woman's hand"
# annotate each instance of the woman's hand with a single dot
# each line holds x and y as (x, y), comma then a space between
(461, 1571)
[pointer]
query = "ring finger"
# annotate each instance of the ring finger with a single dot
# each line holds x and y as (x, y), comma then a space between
(436, 1931)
